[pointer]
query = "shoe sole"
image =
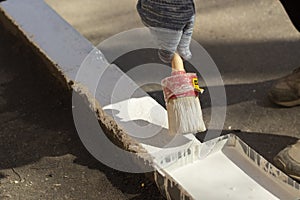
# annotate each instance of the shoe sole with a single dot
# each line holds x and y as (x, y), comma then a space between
(286, 103)
(297, 178)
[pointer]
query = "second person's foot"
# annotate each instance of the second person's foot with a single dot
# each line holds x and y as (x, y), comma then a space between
(286, 91)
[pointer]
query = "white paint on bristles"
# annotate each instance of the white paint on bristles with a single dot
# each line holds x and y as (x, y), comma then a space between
(185, 115)
(224, 174)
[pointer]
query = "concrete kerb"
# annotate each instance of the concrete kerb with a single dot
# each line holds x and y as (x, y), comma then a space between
(62, 72)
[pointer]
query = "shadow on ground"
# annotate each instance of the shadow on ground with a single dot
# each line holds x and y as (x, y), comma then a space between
(237, 62)
(246, 92)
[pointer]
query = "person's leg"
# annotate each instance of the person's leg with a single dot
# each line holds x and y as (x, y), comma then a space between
(168, 41)
(286, 92)
(293, 10)
(183, 48)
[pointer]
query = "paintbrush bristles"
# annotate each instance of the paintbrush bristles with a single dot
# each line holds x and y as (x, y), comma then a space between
(185, 115)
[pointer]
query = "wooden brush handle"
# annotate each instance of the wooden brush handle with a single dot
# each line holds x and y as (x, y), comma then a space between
(177, 63)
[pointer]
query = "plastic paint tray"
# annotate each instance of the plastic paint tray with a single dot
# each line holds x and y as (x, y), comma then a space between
(232, 171)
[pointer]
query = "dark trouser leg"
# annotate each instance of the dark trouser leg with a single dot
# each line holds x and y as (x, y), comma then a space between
(293, 10)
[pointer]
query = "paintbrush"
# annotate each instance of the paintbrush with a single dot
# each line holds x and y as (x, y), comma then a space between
(181, 91)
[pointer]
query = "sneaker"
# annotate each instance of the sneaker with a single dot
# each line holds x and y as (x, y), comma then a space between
(286, 92)
(288, 160)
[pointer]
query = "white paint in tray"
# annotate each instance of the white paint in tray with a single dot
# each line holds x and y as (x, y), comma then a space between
(217, 177)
